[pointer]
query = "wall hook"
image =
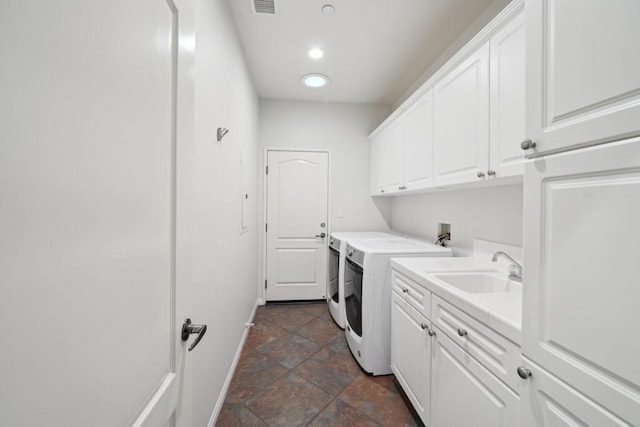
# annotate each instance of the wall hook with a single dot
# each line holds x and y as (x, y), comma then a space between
(221, 133)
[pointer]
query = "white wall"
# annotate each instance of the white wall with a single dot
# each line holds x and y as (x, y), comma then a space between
(481, 213)
(225, 261)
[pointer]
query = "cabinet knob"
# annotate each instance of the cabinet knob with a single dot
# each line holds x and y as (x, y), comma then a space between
(382, 191)
(405, 290)
(462, 332)
(527, 144)
(491, 172)
(423, 325)
(432, 332)
(480, 174)
(523, 372)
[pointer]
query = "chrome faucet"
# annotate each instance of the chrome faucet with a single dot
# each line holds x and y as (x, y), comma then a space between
(515, 269)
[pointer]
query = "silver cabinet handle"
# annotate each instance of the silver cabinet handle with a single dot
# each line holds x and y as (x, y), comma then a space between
(423, 325)
(527, 144)
(491, 172)
(480, 174)
(524, 373)
(189, 328)
(323, 235)
(462, 332)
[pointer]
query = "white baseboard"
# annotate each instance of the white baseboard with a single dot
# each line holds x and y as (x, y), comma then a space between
(232, 369)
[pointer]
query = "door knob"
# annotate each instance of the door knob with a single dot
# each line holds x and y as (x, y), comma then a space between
(323, 235)
(189, 328)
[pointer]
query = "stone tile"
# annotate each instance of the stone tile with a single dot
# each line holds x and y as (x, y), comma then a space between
(292, 320)
(373, 397)
(290, 350)
(411, 422)
(255, 371)
(246, 349)
(264, 332)
(320, 331)
(234, 413)
(289, 401)
(329, 370)
(339, 345)
(317, 310)
(339, 414)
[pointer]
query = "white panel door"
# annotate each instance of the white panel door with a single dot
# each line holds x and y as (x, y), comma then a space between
(583, 72)
(461, 122)
(87, 189)
(506, 99)
(417, 124)
(411, 354)
(580, 318)
(297, 199)
(464, 393)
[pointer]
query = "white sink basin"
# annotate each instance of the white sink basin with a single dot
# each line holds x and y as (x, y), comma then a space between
(480, 283)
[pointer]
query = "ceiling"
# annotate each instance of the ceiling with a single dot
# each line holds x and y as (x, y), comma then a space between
(374, 50)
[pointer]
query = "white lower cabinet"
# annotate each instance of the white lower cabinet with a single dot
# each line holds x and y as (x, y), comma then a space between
(449, 383)
(464, 393)
(411, 360)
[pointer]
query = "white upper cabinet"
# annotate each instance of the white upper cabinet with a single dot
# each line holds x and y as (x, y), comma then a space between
(583, 72)
(418, 143)
(377, 152)
(393, 158)
(506, 99)
(461, 121)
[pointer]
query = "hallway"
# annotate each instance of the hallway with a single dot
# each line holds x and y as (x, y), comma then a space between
(296, 370)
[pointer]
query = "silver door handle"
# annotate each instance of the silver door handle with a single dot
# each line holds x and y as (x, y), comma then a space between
(323, 235)
(189, 328)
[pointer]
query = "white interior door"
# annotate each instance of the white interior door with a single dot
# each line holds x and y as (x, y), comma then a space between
(297, 229)
(87, 188)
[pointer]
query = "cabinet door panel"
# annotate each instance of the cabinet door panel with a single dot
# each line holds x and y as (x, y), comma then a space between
(464, 393)
(418, 139)
(580, 317)
(547, 401)
(411, 353)
(377, 145)
(393, 160)
(507, 103)
(461, 121)
(583, 71)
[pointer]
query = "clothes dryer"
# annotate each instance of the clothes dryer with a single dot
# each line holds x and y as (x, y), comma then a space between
(367, 291)
(335, 269)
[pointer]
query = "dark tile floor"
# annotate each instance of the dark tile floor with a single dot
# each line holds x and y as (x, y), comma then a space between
(296, 370)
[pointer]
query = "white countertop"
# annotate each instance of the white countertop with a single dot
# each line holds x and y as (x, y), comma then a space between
(501, 311)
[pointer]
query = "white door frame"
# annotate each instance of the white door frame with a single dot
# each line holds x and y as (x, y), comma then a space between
(262, 296)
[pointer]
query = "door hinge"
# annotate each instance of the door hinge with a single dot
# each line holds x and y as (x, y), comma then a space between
(265, 283)
(266, 227)
(266, 170)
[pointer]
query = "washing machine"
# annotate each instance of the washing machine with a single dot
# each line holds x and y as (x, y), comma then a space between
(335, 269)
(367, 292)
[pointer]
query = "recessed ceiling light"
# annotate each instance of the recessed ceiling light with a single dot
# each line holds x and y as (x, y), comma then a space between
(328, 9)
(316, 53)
(315, 80)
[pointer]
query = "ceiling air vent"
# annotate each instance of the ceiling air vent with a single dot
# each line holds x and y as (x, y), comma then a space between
(264, 6)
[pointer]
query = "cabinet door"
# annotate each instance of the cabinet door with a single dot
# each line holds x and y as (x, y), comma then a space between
(461, 122)
(548, 401)
(411, 353)
(464, 393)
(583, 72)
(418, 140)
(377, 146)
(506, 126)
(580, 316)
(393, 160)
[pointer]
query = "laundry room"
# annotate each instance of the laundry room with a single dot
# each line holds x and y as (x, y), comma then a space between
(319, 212)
